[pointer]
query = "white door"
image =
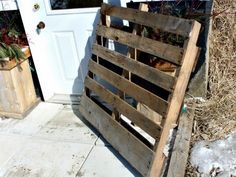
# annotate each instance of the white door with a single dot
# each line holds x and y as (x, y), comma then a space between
(62, 48)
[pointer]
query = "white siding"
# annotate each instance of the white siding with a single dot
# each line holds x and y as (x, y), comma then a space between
(8, 5)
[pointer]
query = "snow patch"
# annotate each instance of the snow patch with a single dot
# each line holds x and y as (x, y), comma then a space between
(168, 144)
(215, 159)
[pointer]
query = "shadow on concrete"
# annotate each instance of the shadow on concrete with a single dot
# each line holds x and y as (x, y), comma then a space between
(79, 78)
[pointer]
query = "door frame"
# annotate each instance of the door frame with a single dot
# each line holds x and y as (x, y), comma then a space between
(49, 11)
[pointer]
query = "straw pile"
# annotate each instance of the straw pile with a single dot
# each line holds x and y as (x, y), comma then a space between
(216, 116)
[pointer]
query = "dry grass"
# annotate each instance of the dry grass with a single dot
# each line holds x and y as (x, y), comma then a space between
(216, 117)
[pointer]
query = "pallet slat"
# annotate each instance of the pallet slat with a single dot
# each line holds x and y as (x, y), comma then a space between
(146, 72)
(141, 95)
(157, 21)
(124, 108)
(181, 145)
(168, 52)
(133, 150)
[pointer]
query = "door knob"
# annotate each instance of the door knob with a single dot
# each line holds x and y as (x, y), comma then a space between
(41, 25)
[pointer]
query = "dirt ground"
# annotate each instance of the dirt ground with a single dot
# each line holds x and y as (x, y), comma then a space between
(216, 116)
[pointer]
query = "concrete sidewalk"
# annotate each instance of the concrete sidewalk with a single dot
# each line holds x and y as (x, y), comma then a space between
(55, 141)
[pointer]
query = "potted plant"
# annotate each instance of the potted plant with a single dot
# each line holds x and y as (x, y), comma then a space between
(17, 92)
(10, 52)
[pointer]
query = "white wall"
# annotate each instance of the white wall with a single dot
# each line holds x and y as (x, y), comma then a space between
(8, 5)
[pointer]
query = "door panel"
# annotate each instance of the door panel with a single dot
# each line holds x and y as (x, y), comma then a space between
(68, 55)
(61, 50)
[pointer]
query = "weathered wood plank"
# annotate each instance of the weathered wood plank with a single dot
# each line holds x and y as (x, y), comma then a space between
(124, 108)
(144, 71)
(137, 30)
(165, 51)
(176, 101)
(181, 146)
(149, 113)
(156, 21)
(23, 86)
(17, 93)
(133, 150)
(141, 95)
(8, 97)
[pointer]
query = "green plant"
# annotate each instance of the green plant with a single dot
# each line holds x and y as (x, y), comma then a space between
(12, 51)
(11, 29)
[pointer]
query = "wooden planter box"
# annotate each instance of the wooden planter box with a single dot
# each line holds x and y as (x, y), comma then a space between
(17, 93)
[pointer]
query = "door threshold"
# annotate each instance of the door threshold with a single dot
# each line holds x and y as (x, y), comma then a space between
(69, 99)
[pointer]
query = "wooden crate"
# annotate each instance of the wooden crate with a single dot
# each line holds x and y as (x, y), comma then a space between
(108, 110)
(17, 92)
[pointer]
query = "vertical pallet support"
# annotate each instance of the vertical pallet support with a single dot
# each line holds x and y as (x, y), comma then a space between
(175, 105)
(132, 53)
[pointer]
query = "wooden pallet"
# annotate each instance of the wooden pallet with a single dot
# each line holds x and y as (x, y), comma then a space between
(141, 142)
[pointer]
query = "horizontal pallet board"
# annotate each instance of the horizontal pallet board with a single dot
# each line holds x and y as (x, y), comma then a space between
(146, 72)
(165, 51)
(124, 108)
(135, 152)
(137, 92)
(157, 21)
